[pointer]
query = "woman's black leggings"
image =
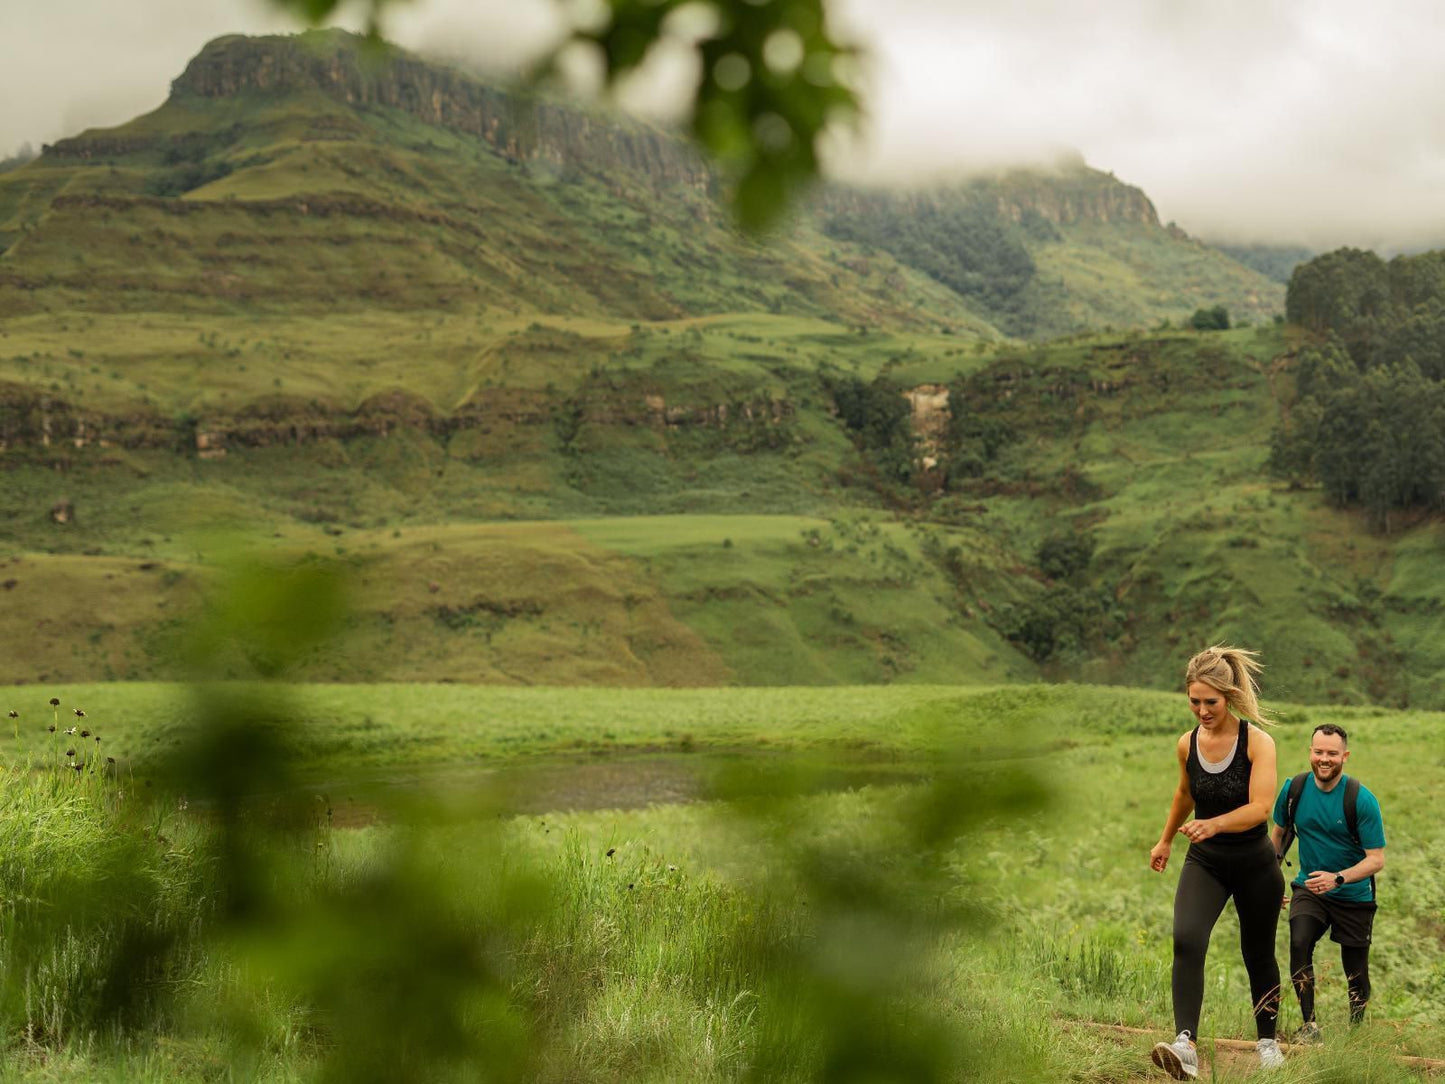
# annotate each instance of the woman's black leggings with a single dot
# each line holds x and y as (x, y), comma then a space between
(1213, 873)
(1304, 932)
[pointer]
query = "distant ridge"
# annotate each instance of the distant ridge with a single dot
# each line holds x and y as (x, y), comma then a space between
(526, 128)
(531, 204)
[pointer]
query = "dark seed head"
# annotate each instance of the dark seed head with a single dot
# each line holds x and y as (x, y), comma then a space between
(611, 851)
(55, 701)
(97, 739)
(110, 760)
(78, 713)
(70, 752)
(14, 715)
(78, 767)
(85, 733)
(51, 728)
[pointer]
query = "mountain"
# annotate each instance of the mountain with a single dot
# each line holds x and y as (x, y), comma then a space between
(409, 167)
(505, 361)
(1048, 253)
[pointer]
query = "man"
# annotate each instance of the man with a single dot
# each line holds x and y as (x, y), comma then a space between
(1338, 892)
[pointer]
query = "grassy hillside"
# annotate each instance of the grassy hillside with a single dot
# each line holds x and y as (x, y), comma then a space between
(688, 510)
(373, 183)
(563, 426)
(299, 203)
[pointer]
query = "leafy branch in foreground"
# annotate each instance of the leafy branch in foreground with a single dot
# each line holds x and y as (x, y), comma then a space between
(433, 948)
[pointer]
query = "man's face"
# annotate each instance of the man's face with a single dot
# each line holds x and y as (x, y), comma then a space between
(1327, 756)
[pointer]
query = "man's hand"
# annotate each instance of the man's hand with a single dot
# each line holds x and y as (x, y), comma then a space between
(1194, 831)
(1320, 881)
(1159, 856)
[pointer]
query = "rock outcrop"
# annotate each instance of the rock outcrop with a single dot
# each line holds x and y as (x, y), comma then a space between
(1071, 194)
(36, 421)
(522, 128)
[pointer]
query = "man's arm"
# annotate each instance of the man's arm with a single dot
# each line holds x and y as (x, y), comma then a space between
(1323, 880)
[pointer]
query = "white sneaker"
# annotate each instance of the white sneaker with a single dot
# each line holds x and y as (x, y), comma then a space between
(1270, 1056)
(1179, 1058)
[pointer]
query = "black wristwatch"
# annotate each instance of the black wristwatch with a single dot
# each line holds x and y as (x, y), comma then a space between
(1339, 879)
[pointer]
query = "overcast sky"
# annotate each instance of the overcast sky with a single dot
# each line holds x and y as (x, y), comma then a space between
(1313, 121)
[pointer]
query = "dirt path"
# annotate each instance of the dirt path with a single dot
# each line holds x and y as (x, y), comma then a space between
(1237, 1056)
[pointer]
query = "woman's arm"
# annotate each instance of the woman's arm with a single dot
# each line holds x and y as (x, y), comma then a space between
(1262, 780)
(1179, 809)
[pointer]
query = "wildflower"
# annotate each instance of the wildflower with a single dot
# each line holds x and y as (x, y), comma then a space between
(70, 752)
(671, 869)
(14, 715)
(78, 767)
(108, 760)
(78, 713)
(97, 739)
(51, 728)
(55, 701)
(85, 733)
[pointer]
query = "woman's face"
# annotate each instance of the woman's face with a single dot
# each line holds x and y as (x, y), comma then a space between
(1208, 704)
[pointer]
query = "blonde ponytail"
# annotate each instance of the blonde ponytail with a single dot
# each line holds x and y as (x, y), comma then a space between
(1231, 670)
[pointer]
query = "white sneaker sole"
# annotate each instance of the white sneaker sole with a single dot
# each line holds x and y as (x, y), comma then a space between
(1167, 1058)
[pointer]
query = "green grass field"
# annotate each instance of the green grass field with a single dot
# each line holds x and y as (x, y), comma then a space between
(691, 887)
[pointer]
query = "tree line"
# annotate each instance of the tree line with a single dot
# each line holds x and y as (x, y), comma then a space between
(958, 239)
(1367, 421)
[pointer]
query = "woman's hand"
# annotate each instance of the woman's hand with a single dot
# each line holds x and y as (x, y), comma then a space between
(1194, 831)
(1159, 856)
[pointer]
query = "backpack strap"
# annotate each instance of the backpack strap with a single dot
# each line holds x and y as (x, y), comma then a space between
(1291, 803)
(1352, 813)
(1352, 818)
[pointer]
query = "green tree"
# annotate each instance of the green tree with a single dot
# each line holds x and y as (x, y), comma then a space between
(1215, 319)
(1418, 337)
(1378, 441)
(1346, 291)
(1065, 554)
(878, 415)
(975, 434)
(1293, 442)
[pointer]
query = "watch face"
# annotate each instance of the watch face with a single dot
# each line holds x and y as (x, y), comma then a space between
(1339, 879)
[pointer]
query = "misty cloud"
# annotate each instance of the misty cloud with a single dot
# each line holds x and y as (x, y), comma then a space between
(1320, 122)
(1316, 121)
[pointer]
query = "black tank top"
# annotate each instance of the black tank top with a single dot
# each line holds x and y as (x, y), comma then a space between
(1217, 793)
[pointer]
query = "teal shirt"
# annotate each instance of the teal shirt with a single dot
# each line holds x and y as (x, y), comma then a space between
(1324, 842)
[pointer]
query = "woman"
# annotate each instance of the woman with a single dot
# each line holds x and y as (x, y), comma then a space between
(1227, 780)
